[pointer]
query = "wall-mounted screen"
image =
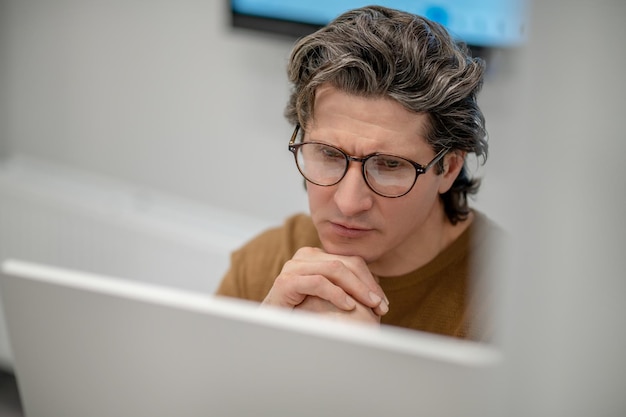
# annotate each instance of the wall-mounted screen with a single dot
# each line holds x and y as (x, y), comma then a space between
(479, 23)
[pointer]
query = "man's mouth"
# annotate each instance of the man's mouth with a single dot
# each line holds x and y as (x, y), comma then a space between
(350, 230)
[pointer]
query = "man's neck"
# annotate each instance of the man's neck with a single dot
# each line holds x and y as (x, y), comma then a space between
(441, 233)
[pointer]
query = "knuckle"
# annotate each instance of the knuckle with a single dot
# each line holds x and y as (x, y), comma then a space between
(335, 265)
(305, 251)
(317, 281)
(281, 280)
(291, 268)
(285, 279)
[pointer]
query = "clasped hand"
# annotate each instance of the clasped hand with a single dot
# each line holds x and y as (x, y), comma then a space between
(339, 286)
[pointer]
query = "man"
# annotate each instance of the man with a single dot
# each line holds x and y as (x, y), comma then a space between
(385, 113)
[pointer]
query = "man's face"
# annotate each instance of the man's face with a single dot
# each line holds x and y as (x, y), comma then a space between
(350, 218)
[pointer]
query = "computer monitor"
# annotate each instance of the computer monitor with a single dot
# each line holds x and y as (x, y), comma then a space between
(89, 345)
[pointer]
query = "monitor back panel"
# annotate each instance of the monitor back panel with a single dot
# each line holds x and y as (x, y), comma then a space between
(94, 346)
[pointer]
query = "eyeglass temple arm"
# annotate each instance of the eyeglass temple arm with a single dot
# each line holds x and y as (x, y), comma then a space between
(294, 135)
(436, 159)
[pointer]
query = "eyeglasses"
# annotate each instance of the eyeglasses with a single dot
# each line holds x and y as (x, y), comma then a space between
(387, 175)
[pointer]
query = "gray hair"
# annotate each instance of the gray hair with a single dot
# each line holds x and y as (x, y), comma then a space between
(379, 52)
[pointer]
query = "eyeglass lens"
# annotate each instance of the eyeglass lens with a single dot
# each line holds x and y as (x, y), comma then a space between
(326, 165)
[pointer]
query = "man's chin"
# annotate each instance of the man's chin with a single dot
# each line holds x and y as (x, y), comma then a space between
(348, 249)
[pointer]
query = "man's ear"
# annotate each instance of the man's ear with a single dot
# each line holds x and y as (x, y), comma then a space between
(452, 166)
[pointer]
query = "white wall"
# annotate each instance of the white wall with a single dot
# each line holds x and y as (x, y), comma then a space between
(166, 94)
(160, 93)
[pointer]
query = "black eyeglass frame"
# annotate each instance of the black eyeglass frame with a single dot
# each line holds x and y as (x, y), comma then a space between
(419, 168)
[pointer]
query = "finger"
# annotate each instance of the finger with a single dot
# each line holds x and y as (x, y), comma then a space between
(358, 266)
(289, 291)
(319, 286)
(349, 272)
(334, 270)
(382, 308)
(355, 263)
(361, 313)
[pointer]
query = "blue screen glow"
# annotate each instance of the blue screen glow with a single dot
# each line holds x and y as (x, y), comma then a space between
(489, 23)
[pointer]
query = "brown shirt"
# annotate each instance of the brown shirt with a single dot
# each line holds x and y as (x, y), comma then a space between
(436, 298)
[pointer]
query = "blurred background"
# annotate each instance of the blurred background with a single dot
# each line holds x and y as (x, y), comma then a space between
(146, 140)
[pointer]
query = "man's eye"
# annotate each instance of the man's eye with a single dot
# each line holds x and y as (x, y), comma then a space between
(389, 163)
(330, 153)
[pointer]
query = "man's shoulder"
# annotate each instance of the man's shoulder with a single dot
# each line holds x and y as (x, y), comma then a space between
(296, 231)
(300, 223)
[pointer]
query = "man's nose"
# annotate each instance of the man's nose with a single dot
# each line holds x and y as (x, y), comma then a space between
(352, 194)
